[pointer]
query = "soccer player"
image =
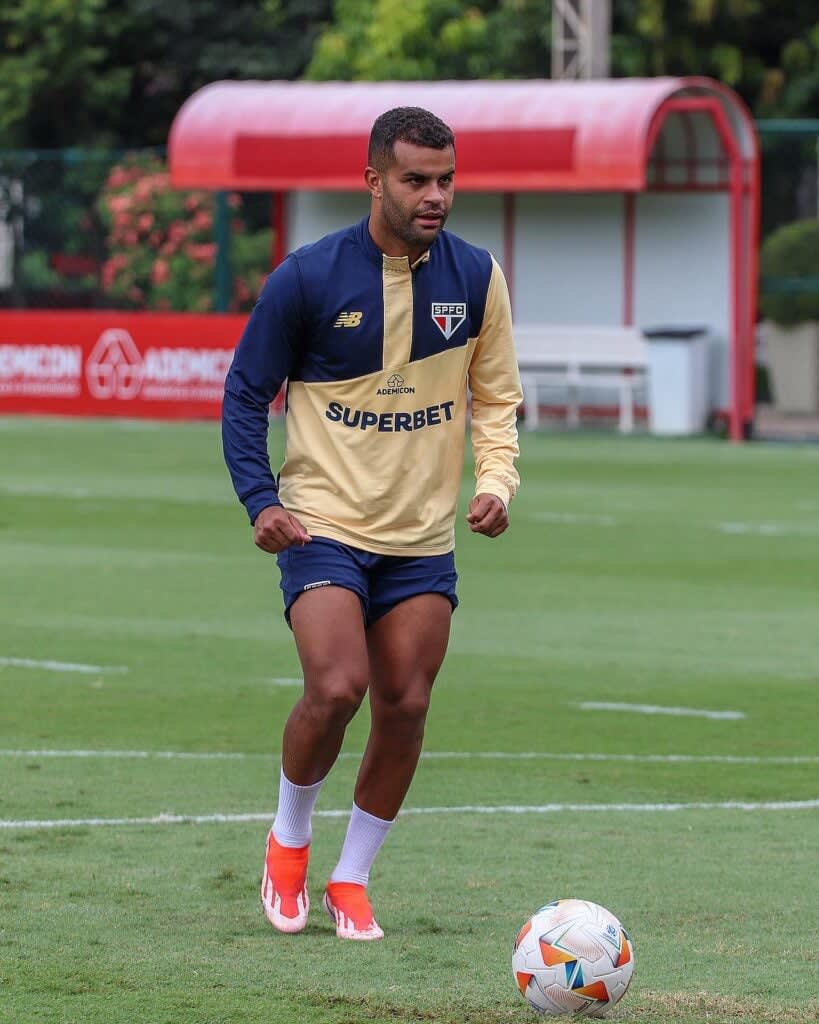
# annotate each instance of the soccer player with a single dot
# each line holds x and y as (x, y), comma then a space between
(380, 330)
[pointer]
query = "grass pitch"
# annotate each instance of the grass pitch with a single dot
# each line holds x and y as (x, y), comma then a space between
(627, 714)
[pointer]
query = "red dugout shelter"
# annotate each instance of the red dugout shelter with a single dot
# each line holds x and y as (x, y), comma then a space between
(624, 201)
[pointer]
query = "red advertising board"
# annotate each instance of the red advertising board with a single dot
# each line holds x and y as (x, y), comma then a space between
(107, 363)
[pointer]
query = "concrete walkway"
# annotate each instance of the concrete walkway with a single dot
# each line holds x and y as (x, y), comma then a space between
(771, 425)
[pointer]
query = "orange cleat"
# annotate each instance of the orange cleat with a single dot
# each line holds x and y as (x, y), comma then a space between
(284, 886)
(348, 905)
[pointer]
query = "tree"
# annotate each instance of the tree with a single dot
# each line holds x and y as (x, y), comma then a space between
(766, 50)
(56, 75)
(113, 73)
(434, 39)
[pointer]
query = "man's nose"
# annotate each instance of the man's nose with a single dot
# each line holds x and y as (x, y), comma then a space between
(434, 194)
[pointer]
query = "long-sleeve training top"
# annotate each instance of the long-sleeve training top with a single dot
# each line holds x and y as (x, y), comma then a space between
(378, 355)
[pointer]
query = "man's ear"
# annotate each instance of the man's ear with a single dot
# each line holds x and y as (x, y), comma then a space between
(372, 177)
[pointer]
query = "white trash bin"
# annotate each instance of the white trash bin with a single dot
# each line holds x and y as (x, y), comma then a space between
(677, 379)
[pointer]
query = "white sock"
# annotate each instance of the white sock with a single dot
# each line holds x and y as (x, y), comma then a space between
(365, 834)
(292, 826)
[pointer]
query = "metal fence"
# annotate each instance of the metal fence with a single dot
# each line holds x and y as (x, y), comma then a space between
(790, 165)
(84, 229)
(790, 190)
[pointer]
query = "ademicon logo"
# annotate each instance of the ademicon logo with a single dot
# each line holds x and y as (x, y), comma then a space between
(40, 370)
(116, 369)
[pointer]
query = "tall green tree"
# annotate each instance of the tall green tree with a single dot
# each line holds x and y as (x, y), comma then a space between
(57, 79)
(768, 51)
(434, 39)
(114, 72)
(765, 49)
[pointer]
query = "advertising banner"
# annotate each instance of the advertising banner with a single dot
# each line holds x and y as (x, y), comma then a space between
(107, 363)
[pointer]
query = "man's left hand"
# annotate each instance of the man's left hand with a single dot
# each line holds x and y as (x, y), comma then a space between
(487, 515)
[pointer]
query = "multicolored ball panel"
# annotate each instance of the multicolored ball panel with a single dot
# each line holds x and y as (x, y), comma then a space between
(572, 957)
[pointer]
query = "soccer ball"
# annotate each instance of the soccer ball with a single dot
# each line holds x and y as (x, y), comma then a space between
(572, 956)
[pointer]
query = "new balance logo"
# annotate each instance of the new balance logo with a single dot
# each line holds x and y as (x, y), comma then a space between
(348, 320)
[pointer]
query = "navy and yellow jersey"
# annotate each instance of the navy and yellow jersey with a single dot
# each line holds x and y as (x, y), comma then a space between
(378, 355)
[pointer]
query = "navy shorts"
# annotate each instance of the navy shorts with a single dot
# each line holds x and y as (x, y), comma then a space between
(381, 581)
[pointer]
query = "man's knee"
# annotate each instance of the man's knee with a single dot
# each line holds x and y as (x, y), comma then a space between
(407, 704)
(334, 696)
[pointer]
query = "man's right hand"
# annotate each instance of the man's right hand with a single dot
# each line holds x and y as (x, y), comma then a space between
(275, 529)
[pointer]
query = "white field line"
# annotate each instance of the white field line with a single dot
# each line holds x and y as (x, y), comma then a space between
(46, 491)
(286, 681)
(768, 529)
(429, 755)
(36, 490)
(657, 709)
(60, 666)
(212, 819)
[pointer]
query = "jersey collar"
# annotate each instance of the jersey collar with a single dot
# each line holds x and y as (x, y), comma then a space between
(393, 263)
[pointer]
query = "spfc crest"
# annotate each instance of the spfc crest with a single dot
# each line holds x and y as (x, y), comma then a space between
(448, 316)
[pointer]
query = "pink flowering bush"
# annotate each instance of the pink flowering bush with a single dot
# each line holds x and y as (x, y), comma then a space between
(161, 248)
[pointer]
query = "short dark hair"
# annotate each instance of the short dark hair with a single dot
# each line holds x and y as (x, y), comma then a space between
(413, 125)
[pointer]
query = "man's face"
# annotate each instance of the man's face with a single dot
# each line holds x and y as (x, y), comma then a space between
(416, 194)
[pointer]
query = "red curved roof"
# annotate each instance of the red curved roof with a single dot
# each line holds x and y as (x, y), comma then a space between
(531, 135)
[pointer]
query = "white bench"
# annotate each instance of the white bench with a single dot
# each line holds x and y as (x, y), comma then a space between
(575, 357)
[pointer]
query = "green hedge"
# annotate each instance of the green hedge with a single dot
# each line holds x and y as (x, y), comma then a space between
(791, 251)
